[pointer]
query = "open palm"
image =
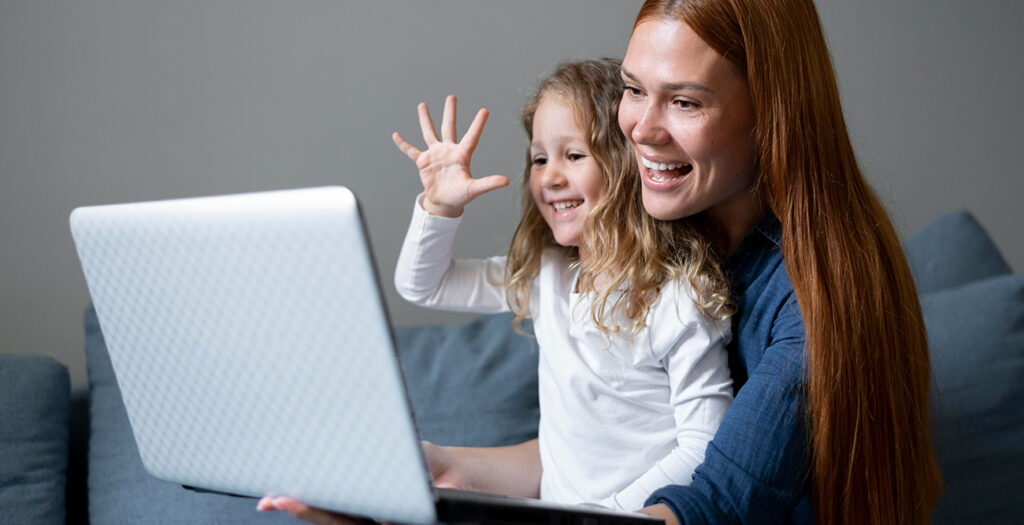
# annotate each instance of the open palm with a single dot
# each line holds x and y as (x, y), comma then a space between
(448, 184)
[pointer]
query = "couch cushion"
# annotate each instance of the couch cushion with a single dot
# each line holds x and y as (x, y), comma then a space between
(952, 250)
(473, 384)
(441, 364)
(34, 396)
(976, 335)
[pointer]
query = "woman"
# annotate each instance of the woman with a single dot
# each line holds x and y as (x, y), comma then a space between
(743, 93)
(829, 359)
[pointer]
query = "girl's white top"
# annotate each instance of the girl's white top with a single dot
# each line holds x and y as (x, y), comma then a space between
(620, 418)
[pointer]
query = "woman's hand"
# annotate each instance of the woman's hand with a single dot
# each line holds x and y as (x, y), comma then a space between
(306, 513)
(661, 511)
(445, 467)
(448, 184)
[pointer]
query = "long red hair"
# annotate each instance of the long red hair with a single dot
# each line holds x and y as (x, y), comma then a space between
(867, 352)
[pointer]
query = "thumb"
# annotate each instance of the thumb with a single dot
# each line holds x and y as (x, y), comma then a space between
(447, 485)
(480, 186)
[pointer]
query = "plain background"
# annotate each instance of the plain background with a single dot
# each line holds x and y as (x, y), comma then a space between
(105, 101)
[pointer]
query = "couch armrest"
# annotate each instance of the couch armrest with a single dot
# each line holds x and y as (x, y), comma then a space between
(34, 397)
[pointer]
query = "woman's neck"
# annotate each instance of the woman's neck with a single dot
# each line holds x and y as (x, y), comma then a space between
(732, 220)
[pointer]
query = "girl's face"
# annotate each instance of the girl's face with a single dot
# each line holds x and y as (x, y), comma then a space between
(687, 112)
(565, 179)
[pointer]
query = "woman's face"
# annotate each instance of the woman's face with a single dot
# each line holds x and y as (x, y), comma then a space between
(687, 112)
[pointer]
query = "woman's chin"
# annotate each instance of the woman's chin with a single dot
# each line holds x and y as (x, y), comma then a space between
(664, 207)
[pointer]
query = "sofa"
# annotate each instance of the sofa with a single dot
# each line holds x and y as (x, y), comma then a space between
(70, 457)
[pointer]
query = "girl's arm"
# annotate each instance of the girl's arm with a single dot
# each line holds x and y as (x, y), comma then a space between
(427, 275)
(692, 350)
(756, 468)
(511, 470)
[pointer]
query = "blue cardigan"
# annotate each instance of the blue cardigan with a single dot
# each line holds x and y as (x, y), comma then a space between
(756, 469)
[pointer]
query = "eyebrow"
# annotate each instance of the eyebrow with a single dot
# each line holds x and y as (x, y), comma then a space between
(672, 86)
(560, 140)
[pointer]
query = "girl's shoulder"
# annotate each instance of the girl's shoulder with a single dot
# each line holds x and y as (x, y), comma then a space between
(675, 312)
(557, 273)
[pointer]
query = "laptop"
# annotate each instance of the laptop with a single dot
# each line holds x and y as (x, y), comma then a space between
(251, 343)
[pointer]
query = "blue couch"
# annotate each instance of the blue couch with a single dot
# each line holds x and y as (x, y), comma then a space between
(69, 457)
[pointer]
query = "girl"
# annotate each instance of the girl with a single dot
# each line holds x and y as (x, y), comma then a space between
(633, 373)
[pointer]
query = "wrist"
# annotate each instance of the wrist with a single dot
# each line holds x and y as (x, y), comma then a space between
(440, 210)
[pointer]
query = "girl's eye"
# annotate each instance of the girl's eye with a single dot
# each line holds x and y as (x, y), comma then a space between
(540, 161)
(574, 156)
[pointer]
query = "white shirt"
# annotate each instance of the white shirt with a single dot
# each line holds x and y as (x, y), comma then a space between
(620, 417)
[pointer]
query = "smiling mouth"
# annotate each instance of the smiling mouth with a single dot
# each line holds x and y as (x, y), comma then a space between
(664, 172)
(566, 205)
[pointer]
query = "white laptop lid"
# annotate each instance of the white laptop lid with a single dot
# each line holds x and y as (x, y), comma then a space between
(251, 344)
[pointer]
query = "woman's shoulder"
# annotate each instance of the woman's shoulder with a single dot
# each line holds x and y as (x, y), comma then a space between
(762, 287)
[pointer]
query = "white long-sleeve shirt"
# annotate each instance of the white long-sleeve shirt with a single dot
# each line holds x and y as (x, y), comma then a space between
(620, 417)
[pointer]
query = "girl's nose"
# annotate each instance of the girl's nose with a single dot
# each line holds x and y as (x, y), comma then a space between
(649, 128)
(552, 176)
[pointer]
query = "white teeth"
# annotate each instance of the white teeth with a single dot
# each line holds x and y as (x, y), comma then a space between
(661, 166)
(659, 178)
(565, 205)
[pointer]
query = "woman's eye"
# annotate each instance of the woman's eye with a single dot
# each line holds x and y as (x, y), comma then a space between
(632, 91)
(684, 104)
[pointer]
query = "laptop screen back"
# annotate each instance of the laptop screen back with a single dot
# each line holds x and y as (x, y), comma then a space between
(251, 344)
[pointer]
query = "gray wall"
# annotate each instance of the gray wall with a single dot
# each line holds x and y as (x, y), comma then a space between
(112, 101)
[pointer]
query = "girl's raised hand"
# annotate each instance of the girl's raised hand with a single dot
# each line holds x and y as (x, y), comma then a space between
(448, 184)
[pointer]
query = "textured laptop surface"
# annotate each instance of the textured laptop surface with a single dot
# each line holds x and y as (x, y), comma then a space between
(249, 358)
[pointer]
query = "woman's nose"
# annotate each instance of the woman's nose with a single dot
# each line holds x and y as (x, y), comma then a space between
(649, 128)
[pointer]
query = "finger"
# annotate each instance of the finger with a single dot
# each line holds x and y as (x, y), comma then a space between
(480, 186)
(448, 120)
(427, 125)
(447, 485)
(403, 145)
(475, 129)
(312, 515)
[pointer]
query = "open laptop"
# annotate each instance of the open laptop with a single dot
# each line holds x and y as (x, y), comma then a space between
(252, 346)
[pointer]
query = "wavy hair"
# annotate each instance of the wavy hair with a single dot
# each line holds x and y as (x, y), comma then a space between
(626, 246)
(867, 352)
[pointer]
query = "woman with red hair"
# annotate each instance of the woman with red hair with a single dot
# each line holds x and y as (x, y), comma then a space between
(830, 360)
